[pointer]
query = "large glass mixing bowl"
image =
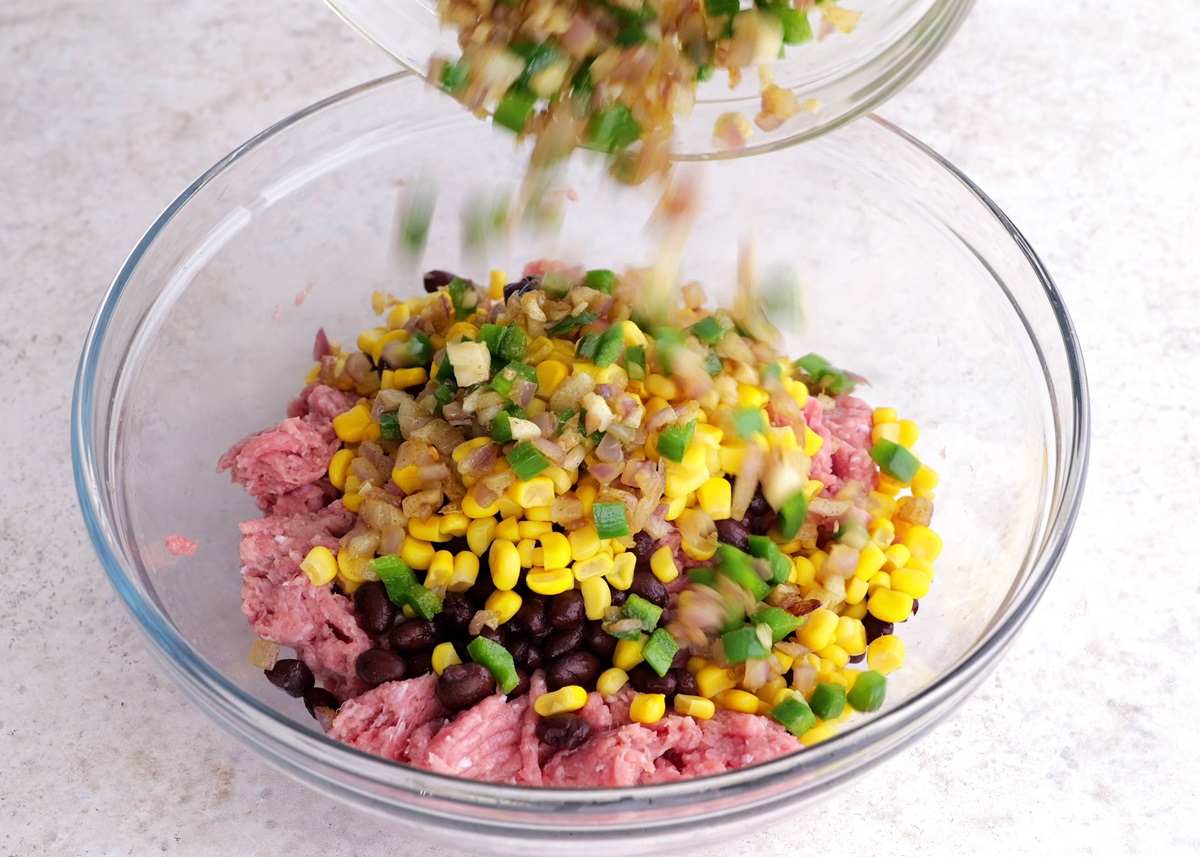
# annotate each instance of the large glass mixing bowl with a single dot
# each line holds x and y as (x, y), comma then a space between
(911, 275)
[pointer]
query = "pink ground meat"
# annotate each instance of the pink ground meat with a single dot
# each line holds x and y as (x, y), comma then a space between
(845, 455)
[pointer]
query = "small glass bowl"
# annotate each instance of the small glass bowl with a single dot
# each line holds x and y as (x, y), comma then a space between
(912, 277)
(848, 74)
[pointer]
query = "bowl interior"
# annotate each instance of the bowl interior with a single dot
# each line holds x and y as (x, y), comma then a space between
(907, 278)
(848, 74)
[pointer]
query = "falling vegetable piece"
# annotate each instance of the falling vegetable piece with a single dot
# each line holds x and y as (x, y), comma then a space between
(674, 441)
(609, 346)
(744, 644)
(601, 279)
(828, 700)
(781, 622)
(613, 129)
(794, 715)
(748, 421)
(739, 568)
(869, 691)
(763, 548)
(709, 330)
(572, 322)
(660, 650)
(402, 587)
(610, 520)
(895, 461)
(645, 612)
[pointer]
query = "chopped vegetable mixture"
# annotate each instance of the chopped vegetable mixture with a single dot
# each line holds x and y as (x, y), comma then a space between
(546, 497)
(612, 76)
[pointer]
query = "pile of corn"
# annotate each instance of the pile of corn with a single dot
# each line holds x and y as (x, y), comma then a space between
(463, 465)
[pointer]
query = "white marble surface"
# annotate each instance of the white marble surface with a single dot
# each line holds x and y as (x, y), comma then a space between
(1081, 122)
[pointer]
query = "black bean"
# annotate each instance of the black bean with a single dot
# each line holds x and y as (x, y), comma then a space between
(685, 682)
(496, 635)
(522, 286)
(857, 659)
(566, 609)
(434, 280)
(618, 597)
(758, 504)
(647, 586)
(916, 607)
(760, 525)
(578, 667)
(562, 641)
(526, 655)
(419, 663)
(530, 617)
(319, 697)
(482, 589)
(875, 628)
(645, 680)
(455, 616)
(522, 686)
(413, 634)
(377, 666)
(563, 731)
(373, 609)
(734, 533)
(463, 685)
(598, 640)
(680, 660)
(644, 546)
(291, 675)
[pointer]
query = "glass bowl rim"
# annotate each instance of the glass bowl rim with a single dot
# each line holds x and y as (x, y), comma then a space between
(227, 703)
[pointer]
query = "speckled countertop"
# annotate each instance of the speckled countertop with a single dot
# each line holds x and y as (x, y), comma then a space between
(1083, 126)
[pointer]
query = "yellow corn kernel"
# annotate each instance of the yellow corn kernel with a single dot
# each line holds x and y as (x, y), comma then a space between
(611, 681)
(633, 333)
(714, 497)
(694, 706)
(462, 330)
(453, 524)
(870, 560)
(803, 571)
(589, 569)
(696, 663)
(550, 373)
(383, 339)
(504, 603)
(664, 388)
(441, 569)
(611, 374)
(709, 434)
(909, 432)
(480, 533)
(320, 565)
(408, 479)
(536, 408)
(428, 529)
(509, 529)
(910, 582)
(736, 700)
(730, 456)
(562, 480)
(923, 565)
(466, 572)
(851, 636)
(817, 558)
(586, 494)
(783, 437)
(925, 480)
(885, 431)
(472, 509)
(467, 447)
(886, 653)
(770, 690)
(829, 671)
(881, 505)
(339, 466)
(889, 487)
(896, 557)
(785, 660)
(497, 280)
(835, 654)
(818, 631)
(505, 563)
(675, 507)
(823, 731)
(444, 655)
(369, 339)
(662, 563)
(556, 550)
(549, 581)
(584, 542)
(351, 425)
(648, 708)
(923, 543)
(534, 529)
(353, 483)
(538, 491)
(683, 480)
(879, 580)
(812, 442)
(402, 379)
(417, 553)
(750, 396)
(856, 591)
(813, 487)
(885, 415)
(398, 316)
(712, 679)
(597, 597)
(628, 653)
(565, 699)
(525, 549)
(858, 610)
(538, 350)
(890, 606)
(621, 576)
(372, 432)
